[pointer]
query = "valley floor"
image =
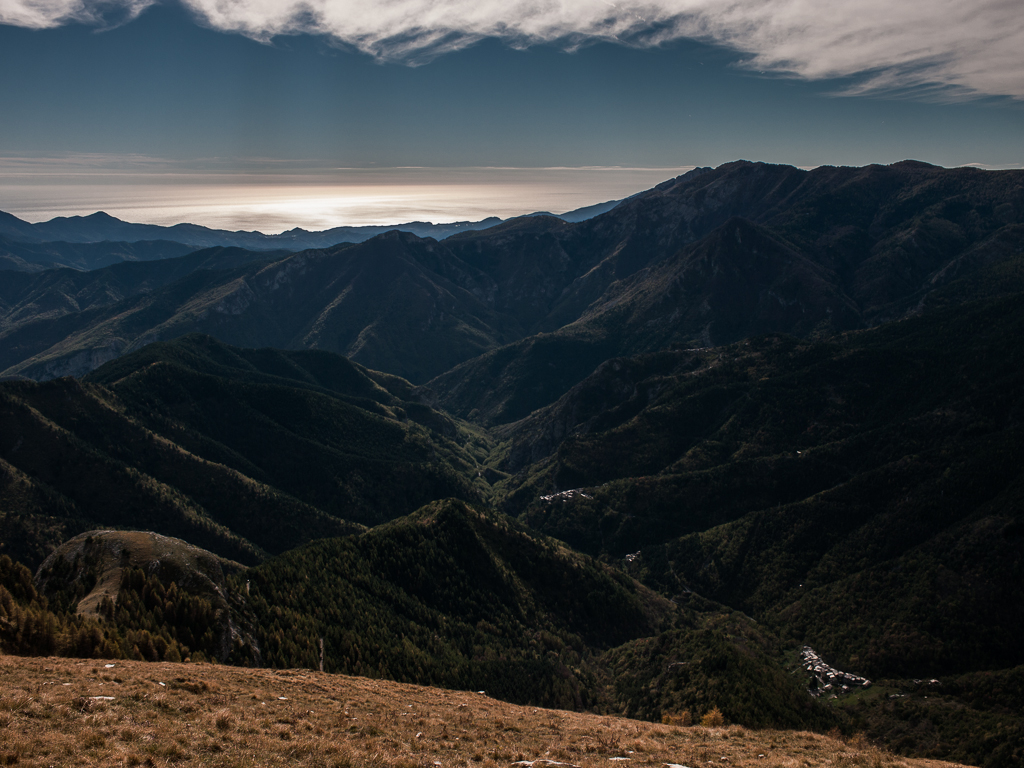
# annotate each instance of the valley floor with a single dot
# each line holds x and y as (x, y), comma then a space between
(56, 712)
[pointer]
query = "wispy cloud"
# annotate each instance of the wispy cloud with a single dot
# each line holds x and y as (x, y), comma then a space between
(947, 49)
(43, 14)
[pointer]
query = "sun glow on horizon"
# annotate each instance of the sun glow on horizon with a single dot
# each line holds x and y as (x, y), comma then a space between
(349, 197)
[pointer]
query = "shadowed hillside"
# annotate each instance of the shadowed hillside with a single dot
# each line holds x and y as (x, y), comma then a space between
(394, 303)
(36, 257)
(242, 452)
(795, 479)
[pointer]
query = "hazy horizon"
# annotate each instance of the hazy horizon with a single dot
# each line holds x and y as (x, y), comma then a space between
(348, 197)
(354, 197)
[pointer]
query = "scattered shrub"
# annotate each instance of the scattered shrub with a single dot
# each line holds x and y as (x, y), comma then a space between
(684, 718)
(713, 719)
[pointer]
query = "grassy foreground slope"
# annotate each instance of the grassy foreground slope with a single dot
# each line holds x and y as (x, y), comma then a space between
(74, 713)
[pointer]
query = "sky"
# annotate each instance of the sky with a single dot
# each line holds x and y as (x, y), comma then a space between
(268, 114)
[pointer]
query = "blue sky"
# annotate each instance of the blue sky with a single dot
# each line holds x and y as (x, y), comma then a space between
(132, 92)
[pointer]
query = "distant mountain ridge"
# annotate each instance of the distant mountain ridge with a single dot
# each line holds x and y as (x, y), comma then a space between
(111, 238)
(101, 227)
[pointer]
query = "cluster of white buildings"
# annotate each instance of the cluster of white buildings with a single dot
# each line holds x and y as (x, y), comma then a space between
(572, 493)
(829, 680)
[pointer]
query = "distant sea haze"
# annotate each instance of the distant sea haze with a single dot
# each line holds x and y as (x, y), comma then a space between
(367, 197)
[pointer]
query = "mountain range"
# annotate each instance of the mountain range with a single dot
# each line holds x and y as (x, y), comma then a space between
(99, 240)
(705, 259)
(632, 463)
(101, 227)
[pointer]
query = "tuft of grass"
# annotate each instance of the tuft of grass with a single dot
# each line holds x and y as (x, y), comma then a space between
(224, 720)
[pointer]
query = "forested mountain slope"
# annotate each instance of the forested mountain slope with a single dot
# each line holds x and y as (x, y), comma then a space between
(242, 452)
(867, 480)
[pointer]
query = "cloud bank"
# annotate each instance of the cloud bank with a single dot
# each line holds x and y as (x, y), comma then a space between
(937, 48)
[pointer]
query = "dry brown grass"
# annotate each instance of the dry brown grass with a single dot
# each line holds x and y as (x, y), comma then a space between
(60, 712)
